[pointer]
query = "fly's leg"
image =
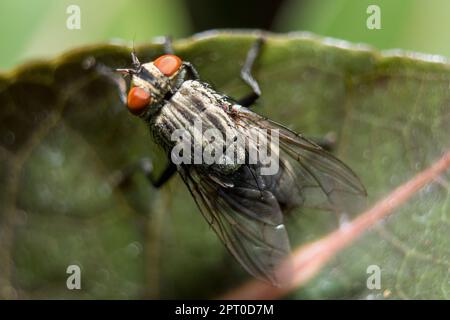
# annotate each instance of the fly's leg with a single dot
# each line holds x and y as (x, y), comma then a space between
(191, 69)
(327, 142)
(168, 172)
(117, 80)
(168, 49)
(246, 73)
(167, 45)
(145, 166)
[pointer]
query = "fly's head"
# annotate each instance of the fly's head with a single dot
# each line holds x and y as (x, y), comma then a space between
(153, 82)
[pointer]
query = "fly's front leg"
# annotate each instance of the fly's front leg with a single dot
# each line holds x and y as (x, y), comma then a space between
(145, 166)
(168, 49)
(246, 73)
(167, 45)
(191, 69)
(117, 80)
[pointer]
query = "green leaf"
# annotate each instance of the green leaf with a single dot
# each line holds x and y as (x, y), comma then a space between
(64, 133)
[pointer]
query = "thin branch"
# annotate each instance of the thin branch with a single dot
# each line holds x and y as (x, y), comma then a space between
(306, 261)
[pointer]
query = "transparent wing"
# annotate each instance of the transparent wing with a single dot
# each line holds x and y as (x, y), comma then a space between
(248, 220)
(320, 179)
(245, 208)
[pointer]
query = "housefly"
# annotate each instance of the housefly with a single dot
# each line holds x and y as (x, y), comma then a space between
(245, 207)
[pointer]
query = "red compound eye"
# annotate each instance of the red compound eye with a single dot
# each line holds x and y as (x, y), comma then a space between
(168, 64)
(138, 99)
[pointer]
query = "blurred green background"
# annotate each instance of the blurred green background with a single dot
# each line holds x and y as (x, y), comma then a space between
(37, 29)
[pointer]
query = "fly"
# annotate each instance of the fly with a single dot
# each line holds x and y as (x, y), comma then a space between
(245, 207)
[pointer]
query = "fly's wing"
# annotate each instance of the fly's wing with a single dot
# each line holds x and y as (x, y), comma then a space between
(321, 180)
(249, 221)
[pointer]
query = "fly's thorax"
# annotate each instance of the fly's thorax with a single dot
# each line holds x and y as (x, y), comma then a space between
(199, 113)
(151, 79)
